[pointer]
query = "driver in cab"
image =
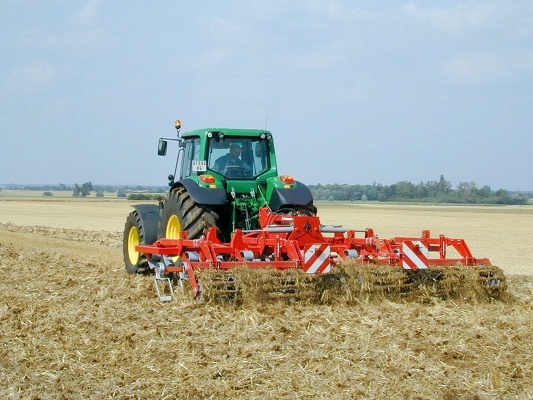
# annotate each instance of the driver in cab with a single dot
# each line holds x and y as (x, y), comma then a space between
(231, 165)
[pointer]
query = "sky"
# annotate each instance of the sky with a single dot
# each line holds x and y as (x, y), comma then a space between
(354, 92)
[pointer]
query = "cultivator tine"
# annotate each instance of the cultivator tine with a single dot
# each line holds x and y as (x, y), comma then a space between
(162, 285)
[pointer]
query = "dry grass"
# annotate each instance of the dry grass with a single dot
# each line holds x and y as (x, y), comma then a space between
(95, 215)
(351, 284)
(75, 325)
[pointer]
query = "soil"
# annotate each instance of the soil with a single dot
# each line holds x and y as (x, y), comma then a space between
(75, 325)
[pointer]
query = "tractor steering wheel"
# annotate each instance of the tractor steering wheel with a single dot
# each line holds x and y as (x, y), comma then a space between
(233, 171)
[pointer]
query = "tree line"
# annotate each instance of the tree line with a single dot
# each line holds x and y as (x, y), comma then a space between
(440, 191)
(85, 189)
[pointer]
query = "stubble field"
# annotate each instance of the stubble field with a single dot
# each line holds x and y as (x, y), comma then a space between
(75, 325)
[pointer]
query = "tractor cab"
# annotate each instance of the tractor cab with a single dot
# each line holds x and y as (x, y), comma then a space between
(229, 175)
(226, 154)
(238, 157)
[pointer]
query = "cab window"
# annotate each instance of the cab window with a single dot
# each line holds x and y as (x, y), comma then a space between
(238, 157)
(191, 157)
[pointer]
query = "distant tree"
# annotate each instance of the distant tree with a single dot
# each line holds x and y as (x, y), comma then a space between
(109, 189)
(86, 189)
(47, 194)
(467, 192)
(484, 192)
(140, 196)
(83, 190)
(518, 198)
(99, 193)
(501, 196)
(443, 187)
(121, 193)
(405, 190)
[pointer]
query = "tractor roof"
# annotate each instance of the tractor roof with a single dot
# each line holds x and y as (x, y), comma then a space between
(227, 132)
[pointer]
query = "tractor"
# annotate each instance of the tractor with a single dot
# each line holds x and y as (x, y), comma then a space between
(229, 213)
(226, 177)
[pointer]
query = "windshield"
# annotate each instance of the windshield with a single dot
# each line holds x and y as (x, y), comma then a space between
(238, 157)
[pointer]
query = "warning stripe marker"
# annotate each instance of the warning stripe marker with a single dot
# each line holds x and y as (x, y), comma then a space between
(414, 255)
(317, 259)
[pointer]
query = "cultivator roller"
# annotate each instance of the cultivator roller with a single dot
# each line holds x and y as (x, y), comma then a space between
(296, 258)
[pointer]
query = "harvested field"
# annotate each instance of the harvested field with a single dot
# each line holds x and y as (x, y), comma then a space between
(75, 325)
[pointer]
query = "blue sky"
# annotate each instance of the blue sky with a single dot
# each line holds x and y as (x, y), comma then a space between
(354, 92)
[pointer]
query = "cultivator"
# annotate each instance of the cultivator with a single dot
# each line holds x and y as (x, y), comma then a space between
(234, 230)
(295, 257)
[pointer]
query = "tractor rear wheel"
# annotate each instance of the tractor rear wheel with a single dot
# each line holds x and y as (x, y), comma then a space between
(133, 235)
(182, 213)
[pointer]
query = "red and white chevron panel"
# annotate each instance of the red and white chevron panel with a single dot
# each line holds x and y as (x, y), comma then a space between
(415, 255)
(317, 259)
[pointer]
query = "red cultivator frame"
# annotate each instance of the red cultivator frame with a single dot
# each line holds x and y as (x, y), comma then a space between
(301, 242)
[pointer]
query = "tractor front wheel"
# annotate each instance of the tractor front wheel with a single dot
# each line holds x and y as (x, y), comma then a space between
(182, 213)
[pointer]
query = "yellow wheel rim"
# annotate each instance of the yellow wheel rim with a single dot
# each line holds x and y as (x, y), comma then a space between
(133, 240)
(173, 228)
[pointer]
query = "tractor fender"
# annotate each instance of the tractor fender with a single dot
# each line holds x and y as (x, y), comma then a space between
(300, 195)
(149, 214)
(207, 196)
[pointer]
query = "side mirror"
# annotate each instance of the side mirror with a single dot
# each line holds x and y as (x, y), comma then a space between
(162, 148)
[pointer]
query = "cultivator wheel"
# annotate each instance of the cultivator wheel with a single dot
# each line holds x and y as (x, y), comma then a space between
(493, 280)
(346, 283)
(218, 286)
(241, 286)
(389, 281)
(182, 213)
(270, 285)
(459, 282)
(349, 283)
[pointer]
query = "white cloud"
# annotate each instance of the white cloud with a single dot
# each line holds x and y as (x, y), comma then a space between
(221, 30)
(485, 67)
(315, 61)
(335, 10)
(333, 54)
(211, 59)
(87, 14)
(31, 78)
(459, 18)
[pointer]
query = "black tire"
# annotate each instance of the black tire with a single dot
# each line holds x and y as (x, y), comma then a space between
(309, 210)
(133, 235)
(182, 213)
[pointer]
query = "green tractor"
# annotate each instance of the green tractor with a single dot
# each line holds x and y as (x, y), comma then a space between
(226, 176)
